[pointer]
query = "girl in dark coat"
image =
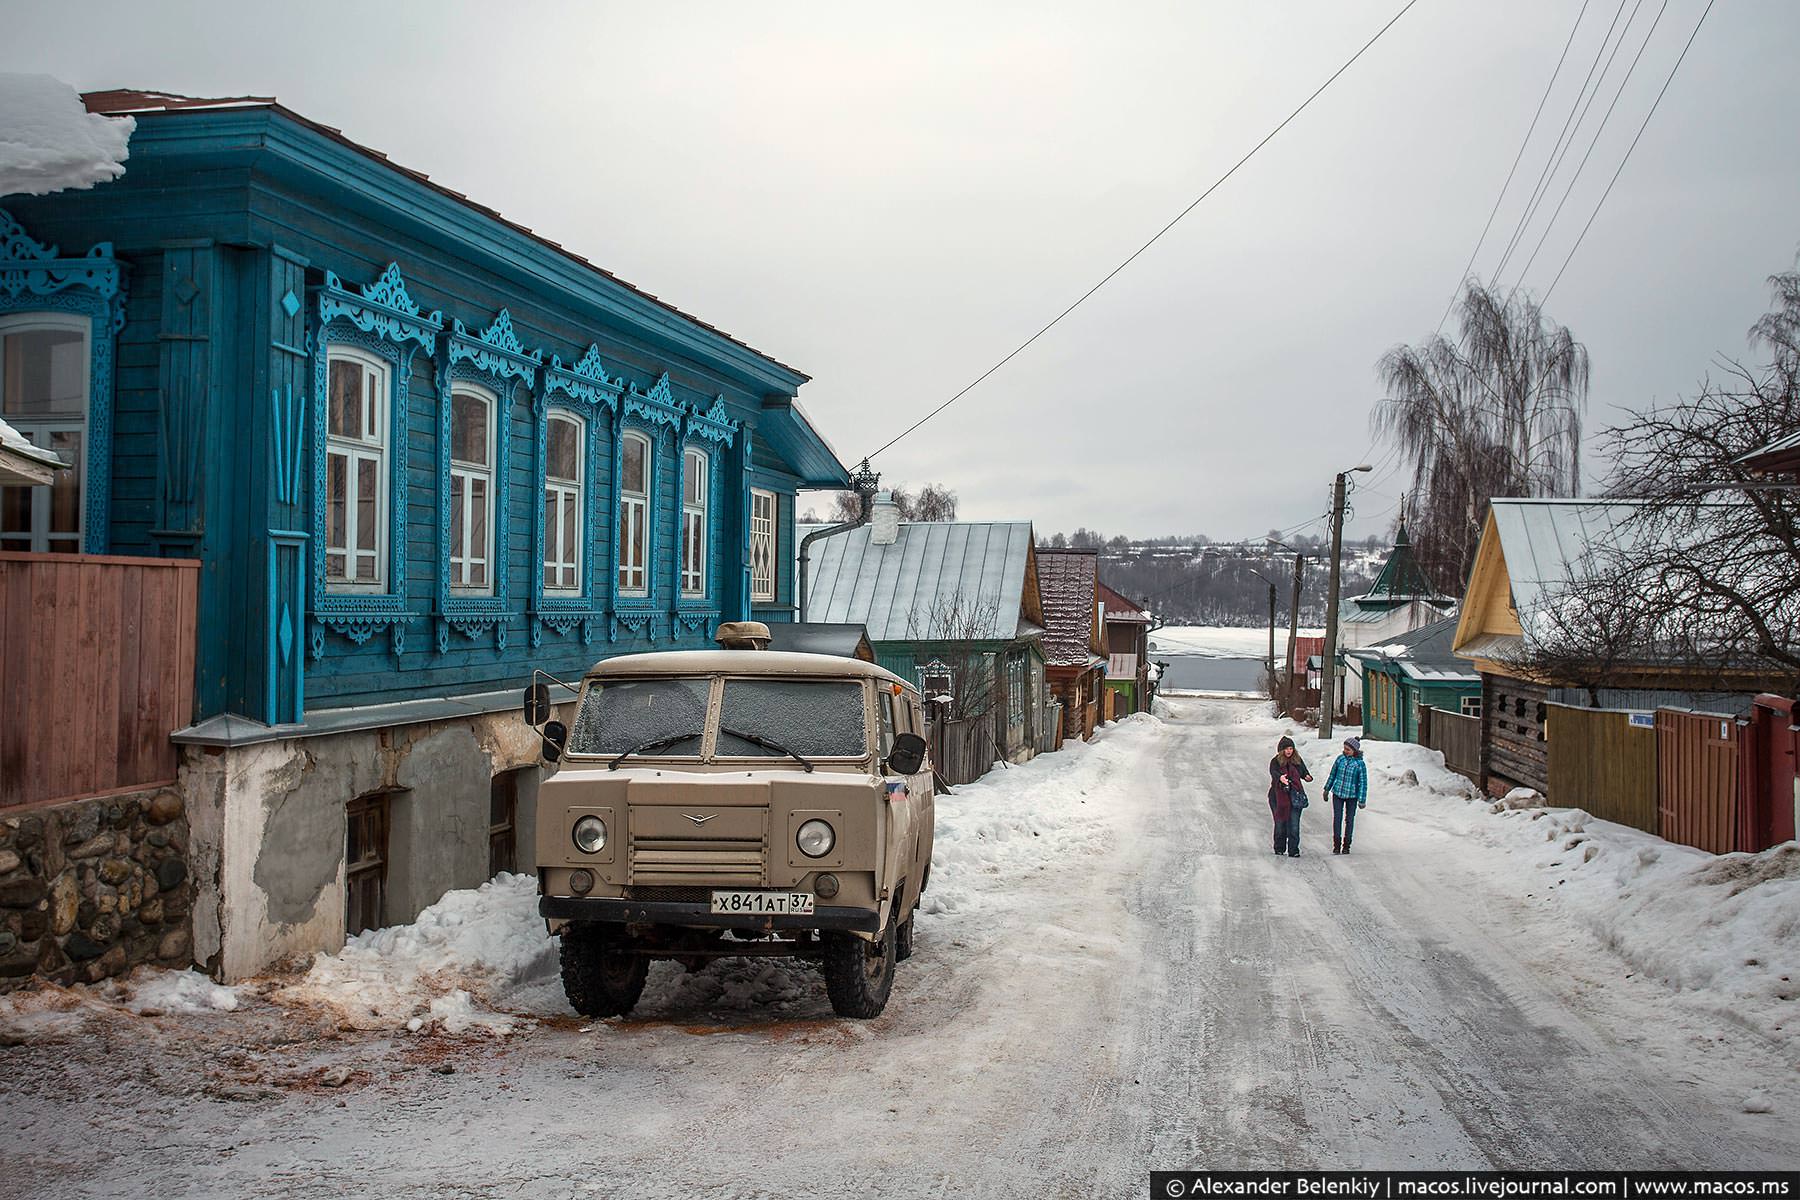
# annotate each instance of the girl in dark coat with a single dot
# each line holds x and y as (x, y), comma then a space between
(1287, 796)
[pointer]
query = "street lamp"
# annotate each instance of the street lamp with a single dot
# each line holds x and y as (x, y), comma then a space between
(1328, 692)
(1293, 625)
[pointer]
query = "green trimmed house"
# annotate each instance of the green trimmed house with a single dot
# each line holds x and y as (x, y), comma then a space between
(1410, 673)
(1400, 600)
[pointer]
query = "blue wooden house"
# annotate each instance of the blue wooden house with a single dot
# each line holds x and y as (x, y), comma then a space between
(418, 451)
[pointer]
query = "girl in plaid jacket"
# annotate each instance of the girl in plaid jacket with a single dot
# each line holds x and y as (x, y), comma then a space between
(1347, 787)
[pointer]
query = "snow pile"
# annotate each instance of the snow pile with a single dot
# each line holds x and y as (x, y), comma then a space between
(155, 993)
(471, 961)
(1015, 820)
(1222, 641)
(1723, 929)
(50, 141)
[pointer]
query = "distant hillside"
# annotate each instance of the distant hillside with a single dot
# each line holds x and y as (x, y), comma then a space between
(1198, 582)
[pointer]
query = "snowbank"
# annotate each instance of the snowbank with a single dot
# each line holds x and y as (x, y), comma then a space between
(1018, 819)
(151, 992)
(1723, 929)
(50, 141)
(1221, 641)
(477, 959)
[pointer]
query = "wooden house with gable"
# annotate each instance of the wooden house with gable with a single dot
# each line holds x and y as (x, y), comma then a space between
(409, 449)
(1075, 652)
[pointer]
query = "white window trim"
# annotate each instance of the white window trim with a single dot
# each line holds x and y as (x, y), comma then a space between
(377, 423)
(37, 540)
(693, 581)
(637, 503)
(762, 589)
(468, 472)
(562, 489)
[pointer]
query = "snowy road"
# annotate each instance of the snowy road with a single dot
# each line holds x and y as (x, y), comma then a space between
(1133, 981)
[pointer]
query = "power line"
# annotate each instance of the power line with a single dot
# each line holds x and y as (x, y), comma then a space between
(1107, 278)
(1582, 165)
(1634, 141)
(1517, 158)
(1578, 111)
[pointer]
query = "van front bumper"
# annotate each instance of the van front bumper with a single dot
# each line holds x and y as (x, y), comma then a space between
(660, 912)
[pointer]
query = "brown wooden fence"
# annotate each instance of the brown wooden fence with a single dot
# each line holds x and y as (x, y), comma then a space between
(1698, 776)
(962, 751)
(1456, 737)
(96, 670)
(1600, 761)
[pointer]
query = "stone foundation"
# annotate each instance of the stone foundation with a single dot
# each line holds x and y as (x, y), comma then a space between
(92, 888)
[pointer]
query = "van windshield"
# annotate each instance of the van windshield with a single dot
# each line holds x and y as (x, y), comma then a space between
(626, 713)
(815, 718)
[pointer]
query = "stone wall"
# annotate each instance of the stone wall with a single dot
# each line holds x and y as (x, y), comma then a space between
(95, 887)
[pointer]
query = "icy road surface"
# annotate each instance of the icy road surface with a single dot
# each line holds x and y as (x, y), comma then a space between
(1119, 976)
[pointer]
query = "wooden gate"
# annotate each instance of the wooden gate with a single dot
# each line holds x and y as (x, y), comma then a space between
(1600, 761)
(1698, 779)
(1456, 737)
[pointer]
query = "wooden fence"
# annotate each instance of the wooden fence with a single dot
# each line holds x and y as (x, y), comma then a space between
(1456, 737)
(962, 751)
(1601, 762)
(96, 670)
(1698, 780)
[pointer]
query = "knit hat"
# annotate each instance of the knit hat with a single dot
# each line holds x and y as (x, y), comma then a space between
(1286, 743)
(1354, 745)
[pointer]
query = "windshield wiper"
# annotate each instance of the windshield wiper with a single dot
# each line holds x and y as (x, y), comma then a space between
(652, 744)
(767, 744)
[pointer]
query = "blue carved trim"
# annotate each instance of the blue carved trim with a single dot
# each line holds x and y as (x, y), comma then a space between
(382, 308)
(586, 380)
(656, 406)
(658, 548)
(715, 425)
(472, 615)
(707, 599)
(495, 351)
(356, 614)
(583, 393)
(35, 278)
(287, 427)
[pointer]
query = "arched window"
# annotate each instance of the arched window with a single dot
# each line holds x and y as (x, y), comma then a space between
(562, 503)
(44, 365)
(356, 472)
(634, 503)
(693, 523)
(471, 516)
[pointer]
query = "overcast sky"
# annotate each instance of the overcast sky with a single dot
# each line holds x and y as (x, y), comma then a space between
(892, 198)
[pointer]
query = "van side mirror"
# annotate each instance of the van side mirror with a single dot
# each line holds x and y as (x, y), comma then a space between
(537, 704)
(907, 756)
(556, 736)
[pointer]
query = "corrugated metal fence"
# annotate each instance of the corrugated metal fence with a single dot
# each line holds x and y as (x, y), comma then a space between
(1603, 763)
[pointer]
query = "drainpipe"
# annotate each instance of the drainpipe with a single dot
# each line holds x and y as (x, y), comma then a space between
(864, 481)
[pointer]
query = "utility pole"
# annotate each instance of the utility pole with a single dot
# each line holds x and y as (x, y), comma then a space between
(1287, 688)
(1271, 633)
(1328, 663)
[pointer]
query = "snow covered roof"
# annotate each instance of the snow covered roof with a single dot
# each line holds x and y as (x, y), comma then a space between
(1423, 653)
(979, 569)
(1780, 455)
(1120, 609)
(50, 142)
(1068, 582)
(22, 463)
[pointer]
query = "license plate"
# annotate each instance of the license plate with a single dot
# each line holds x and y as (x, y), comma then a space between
(762, 903)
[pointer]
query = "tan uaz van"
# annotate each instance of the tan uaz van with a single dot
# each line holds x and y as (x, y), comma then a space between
(727, 803)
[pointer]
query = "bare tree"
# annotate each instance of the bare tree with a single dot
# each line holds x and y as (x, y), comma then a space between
(933, 502)
(1704, 571)
(949, 633)
(1497, 412)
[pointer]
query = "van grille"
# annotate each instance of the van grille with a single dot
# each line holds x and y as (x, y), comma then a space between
(670, 895)
(696, 860)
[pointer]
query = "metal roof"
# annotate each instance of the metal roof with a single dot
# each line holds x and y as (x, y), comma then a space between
(1422, 653)
(977, 569)
(816, 637)
(1549, 544)
(1401, 579)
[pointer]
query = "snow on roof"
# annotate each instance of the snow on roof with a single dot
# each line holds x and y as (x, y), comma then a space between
(1120, 608)
(23, 463)
(50, 142)
(971, 573)
(1067, 583)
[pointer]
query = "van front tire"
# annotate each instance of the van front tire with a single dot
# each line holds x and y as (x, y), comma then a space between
(599, 977)
(859, 975)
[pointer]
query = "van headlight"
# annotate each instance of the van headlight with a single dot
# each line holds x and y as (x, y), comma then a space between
(590, 835)
(816, 838)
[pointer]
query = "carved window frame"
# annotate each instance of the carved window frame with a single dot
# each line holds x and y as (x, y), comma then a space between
(494, 362)
(382, 320)
(710, 433)
(706, 509)
(773, 538)
(656, 416)
(36, 278)
(584, 390)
